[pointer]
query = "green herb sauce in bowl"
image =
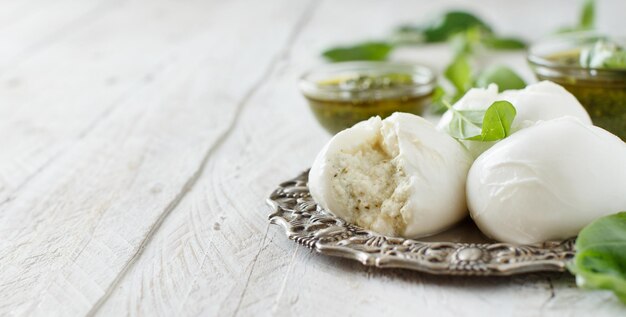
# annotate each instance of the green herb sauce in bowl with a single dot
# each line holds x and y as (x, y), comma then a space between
(590, 67)
(343, 94)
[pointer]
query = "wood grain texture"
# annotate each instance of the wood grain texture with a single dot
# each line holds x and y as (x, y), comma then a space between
(144, 136)
(79, 223)
(215, 254)
(104, 64)
(55, 96)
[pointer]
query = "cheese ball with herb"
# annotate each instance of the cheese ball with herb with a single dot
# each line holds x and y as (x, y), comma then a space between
(398, 176)
(547, 182)
(541, 101)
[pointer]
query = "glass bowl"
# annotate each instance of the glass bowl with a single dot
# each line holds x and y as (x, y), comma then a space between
(601, 91)
(343, 94)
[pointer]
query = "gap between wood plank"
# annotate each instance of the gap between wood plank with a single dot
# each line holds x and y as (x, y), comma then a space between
(298, 28)
(189, 184)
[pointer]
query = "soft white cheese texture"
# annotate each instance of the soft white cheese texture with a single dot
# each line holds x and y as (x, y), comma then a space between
(398, 176)
(547, 182)
(541, 101)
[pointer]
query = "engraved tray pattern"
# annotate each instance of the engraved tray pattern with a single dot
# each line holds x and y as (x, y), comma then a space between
(309, 225)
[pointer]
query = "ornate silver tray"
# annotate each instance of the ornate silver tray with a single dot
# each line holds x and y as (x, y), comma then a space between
(462, 250)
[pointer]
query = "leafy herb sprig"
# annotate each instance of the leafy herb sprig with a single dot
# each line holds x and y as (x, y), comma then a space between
(462, 78)
(369, 51)
(465, 32)
(441, 29)
(488, 125)
(450, 24)
(600, 261)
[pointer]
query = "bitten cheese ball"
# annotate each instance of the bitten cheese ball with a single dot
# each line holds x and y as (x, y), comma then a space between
(398, 176)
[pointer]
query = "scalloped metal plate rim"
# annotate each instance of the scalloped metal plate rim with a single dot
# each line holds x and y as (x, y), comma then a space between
(306, 223)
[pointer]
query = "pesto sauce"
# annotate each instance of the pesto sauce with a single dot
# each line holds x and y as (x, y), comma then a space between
(605, 101)
(341, 113)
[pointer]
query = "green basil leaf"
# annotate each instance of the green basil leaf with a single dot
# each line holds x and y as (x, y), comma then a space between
(464, 124)
(588, 15)
(503, 43)
(459, 73)
(600, 261)
(451, 23)
(496, 123)
(368, 51)
(503, 76)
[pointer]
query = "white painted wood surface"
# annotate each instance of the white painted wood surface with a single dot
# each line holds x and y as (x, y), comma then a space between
(140, 139)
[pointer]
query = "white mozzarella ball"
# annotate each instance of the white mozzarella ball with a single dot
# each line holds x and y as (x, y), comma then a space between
(398, 176)
(541, 101)
(547, 182)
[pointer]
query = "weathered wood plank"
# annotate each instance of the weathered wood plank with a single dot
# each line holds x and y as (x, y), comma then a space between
(55, 97)
(202, 259)
(216, 255)
(27, 28)
(72, 232)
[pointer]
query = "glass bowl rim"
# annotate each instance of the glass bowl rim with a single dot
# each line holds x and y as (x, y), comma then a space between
(309, 86)
(537, 60)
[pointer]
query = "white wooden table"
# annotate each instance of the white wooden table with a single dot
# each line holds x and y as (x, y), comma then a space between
(139, 140)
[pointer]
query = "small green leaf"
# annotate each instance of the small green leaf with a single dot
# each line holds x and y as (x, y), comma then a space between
(441, 29)
(588, 15)
(496, 124)
(368, 51)
(600, 261)
(464, 123)
(503, 43)
(451, 23)
(459, 73)
(500, 75)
